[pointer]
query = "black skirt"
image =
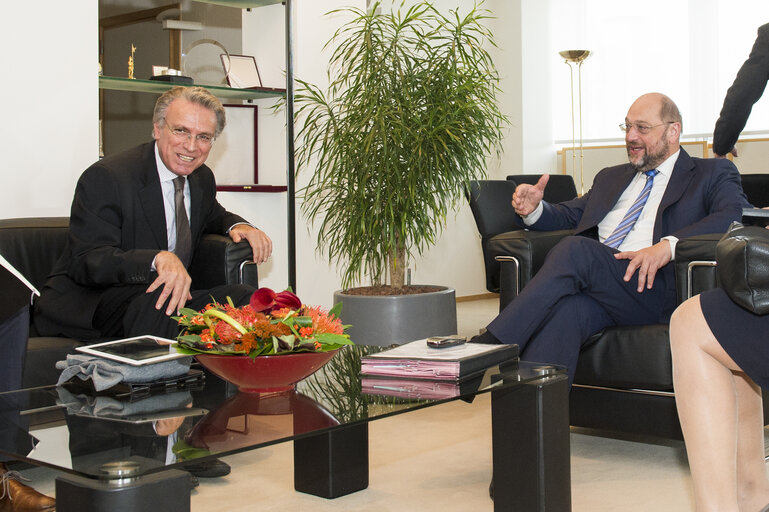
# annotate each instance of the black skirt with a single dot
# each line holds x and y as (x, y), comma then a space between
(742, 334)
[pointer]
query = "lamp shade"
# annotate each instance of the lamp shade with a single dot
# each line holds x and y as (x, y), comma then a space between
(575, 55)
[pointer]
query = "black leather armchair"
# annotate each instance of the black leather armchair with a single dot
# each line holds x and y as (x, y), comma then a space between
(490, 203)
(33, 245)
(623, 380)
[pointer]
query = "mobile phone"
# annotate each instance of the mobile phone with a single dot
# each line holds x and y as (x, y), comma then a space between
(445, 341)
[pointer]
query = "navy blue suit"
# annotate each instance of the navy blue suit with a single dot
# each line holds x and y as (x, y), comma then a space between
(580, 289)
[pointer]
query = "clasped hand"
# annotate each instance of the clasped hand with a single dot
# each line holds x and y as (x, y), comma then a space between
(647, 261)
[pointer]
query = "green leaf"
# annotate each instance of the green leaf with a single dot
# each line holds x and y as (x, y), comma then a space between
(336, 310)
(408, 119)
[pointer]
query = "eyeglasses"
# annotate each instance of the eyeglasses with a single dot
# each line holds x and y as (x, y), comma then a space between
(183, 134)
(643, 129)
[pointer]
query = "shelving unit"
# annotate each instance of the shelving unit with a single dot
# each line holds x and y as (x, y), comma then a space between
(289, 93)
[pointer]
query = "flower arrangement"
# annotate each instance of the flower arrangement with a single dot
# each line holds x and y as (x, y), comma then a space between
(272, 323)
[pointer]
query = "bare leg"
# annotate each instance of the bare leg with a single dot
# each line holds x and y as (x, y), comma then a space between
(752, 484)
(719, 408)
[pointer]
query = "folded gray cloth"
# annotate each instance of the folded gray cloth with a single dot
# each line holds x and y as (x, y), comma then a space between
(107, 407)
(106, 373)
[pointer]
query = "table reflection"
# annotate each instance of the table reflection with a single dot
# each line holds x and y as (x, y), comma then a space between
(247, 419)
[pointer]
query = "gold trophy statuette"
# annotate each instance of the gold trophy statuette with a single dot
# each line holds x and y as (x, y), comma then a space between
(131, 63)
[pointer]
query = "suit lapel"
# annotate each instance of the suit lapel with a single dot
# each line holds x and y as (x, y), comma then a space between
(151, 198)
(604, 198)
(677, 185)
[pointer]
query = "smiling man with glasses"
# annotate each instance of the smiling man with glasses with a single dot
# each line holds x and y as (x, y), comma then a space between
(616, 269)
(136, 219)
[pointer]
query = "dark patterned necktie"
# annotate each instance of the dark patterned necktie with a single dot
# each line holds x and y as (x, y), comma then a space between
(630, 218)
(183, 234)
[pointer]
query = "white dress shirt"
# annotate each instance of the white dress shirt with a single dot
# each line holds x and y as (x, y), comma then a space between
(169, 203)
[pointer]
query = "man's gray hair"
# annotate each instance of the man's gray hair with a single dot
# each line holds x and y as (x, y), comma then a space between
(197, 95)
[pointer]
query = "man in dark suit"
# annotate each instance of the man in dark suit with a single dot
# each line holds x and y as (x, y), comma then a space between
(748, 87)
(616, 269)
(136, 219)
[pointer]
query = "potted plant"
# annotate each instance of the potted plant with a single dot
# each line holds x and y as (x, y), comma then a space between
(408, 119)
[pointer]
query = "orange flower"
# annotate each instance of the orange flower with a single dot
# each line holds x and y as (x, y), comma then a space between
(322, 322)
(305, 332)
(280, 313)
(226, 333)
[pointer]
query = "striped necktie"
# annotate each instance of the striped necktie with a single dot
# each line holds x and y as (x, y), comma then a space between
(628, 221)
(183, 234)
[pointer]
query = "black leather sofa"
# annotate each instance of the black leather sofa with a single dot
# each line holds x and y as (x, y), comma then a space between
(32, 245)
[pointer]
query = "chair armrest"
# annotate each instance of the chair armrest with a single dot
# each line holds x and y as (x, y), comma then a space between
(218, 261)
(521, 254)
(695, 265)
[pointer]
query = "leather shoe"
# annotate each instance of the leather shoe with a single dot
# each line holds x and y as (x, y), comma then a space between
(208, 469)
(17, 497)
(486, 338)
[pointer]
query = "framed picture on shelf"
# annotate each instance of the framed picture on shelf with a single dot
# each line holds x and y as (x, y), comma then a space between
(234, 156)
(241, 71)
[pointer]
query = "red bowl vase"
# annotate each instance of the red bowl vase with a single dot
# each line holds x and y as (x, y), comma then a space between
(265, 373)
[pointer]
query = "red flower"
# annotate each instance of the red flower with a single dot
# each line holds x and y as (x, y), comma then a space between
(266, 300)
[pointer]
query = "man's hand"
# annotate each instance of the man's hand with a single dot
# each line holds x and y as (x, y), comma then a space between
(174, 279)
(647, 261)
(261, 245)
(526, 197)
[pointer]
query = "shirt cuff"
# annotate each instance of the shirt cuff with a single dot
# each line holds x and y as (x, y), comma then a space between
(673, 241)
(535, 215)
(239, 224)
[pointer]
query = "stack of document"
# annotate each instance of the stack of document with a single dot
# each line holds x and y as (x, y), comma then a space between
(416, 360)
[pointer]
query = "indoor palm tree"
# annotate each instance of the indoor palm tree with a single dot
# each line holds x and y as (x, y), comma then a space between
(409, 118)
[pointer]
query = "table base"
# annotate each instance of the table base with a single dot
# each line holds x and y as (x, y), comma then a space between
(167, 490)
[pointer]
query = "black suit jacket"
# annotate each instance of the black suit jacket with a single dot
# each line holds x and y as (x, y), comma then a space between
(117, 226)
(748, 86)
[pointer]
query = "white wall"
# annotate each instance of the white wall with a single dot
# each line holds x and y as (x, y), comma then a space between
(50, 114)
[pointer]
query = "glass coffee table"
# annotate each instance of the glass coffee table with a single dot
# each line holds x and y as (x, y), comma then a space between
(129, 453)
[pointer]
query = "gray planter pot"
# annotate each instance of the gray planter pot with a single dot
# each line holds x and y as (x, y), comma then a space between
(384, 320)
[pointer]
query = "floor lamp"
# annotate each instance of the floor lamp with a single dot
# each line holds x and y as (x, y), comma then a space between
(576, 57)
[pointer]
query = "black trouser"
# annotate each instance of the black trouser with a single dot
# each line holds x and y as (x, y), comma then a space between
(126, 311)
(13, 349)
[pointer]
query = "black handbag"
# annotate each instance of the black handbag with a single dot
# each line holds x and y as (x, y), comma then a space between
(742, 257)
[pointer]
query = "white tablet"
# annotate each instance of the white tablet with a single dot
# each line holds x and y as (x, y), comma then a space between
(137, 351)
